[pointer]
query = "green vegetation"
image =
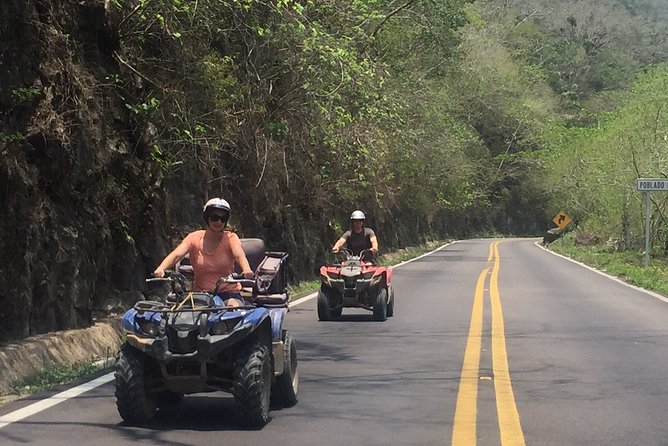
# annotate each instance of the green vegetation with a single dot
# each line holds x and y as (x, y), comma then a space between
(593, 169)
(303, 288)
(26, 95)
(56, 375)
(440, 119)
(627, 265)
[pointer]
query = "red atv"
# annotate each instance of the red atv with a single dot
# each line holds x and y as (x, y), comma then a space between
(355, 282)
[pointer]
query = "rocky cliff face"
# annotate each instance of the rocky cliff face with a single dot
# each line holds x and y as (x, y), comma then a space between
(85, 211)
(112, 136)
(66, 166)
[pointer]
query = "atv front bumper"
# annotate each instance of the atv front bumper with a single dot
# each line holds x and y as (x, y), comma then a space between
(191, 347)
(350, 287)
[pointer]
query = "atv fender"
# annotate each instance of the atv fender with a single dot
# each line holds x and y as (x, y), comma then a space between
(278, 351)
(277, 317)
(389, 271)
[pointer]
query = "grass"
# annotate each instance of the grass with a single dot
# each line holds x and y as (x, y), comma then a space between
(628, 265)
(56, 375)
(303, 288)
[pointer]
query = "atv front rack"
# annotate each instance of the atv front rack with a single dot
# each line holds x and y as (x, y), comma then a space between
(159, 307)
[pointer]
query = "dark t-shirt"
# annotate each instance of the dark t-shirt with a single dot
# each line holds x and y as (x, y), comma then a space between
(358, 241)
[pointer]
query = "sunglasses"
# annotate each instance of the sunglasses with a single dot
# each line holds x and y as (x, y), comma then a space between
(215, 217)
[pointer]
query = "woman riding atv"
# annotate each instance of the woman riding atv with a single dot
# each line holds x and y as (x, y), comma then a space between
(358, 238)
(213, 252)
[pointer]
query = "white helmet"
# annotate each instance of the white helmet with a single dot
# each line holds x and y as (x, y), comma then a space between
(215, 203)
(357, 215)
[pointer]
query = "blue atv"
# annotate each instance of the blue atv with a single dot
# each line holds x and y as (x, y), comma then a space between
(189, 342)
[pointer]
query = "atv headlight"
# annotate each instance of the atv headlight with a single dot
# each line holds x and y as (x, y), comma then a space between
(149, 327)
(222, 327)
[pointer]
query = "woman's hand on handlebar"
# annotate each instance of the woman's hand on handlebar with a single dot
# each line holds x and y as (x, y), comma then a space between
(161, 275)
(159, 272)
(248, 275)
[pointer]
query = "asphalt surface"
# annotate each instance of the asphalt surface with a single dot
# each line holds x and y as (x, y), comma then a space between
(564, 356)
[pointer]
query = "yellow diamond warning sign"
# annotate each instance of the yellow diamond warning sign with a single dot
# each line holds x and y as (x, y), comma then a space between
(562, 219)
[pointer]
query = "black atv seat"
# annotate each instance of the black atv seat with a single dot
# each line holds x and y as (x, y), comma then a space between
(254, 248)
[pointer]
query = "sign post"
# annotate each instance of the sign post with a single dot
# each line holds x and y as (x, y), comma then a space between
(647, 186)
(648, 216)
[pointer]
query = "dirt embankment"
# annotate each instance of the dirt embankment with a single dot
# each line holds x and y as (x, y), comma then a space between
(30, 356)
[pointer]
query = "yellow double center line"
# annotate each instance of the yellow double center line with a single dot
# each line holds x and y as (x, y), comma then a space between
(464, 427)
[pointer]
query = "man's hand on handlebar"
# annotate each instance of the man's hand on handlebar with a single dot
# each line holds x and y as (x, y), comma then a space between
(248, 275)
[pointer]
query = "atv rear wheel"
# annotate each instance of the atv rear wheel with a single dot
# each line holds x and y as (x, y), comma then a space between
(252, 384)
(380, 306)
(133, 403)
(284, 390)
(390, 299)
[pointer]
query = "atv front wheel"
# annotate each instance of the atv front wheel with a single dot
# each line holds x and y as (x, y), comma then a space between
(380, 306)
(133, 403)
(284, 390)
(324, 312)
(390, 301)
(252, 384)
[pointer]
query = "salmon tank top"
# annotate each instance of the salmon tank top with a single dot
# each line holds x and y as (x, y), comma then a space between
(211, 266)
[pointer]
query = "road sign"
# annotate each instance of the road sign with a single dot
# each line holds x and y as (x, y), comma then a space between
(562, 219)
(651, 184)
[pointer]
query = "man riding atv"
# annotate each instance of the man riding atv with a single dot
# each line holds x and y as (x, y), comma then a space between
(358, 238)
(354, 281)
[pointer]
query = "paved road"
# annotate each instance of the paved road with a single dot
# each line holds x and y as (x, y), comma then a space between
(493, 343)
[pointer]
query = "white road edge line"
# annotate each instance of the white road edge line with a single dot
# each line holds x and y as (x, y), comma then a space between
(52, 401)
(39, 406)
(616, 279)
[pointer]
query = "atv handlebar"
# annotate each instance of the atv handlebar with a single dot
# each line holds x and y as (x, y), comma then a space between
(170, 276)
(179, 282)
(236, 278)
(345, 254)
(159, 279)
